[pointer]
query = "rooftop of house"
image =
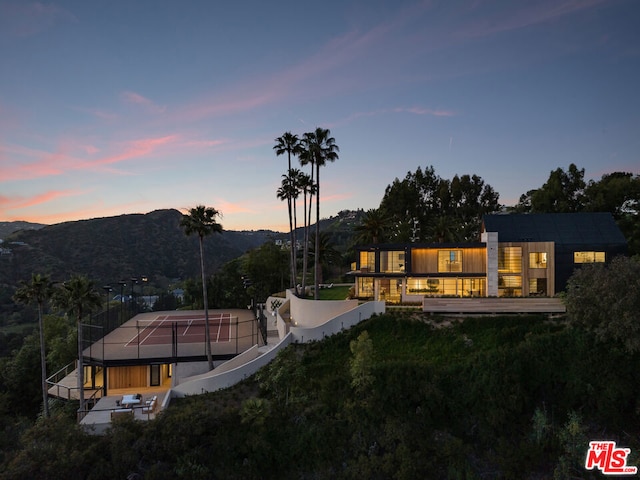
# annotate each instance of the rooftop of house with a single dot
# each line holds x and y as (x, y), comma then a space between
(561, 228)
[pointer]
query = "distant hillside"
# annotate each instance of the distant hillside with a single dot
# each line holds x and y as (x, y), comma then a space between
(7, 228)
(116, 248)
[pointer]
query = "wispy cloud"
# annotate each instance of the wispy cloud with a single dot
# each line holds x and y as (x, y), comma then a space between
(137, 99)
(24, 19)
(20, 202)
(386, 111)
(27, 163)
(24, 163)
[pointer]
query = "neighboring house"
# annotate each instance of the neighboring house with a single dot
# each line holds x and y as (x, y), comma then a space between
(517, 256)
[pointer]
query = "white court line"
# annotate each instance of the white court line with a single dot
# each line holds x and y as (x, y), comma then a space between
(162, 318)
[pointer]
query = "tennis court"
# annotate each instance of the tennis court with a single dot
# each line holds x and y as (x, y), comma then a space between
(176, 334)
(166, 329)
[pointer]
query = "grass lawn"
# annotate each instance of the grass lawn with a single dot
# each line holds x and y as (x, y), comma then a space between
(334, 293)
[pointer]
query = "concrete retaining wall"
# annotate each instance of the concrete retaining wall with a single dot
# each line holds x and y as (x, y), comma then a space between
(216, 380)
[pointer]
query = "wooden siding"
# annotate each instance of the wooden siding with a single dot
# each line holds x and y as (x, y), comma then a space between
(128, 377)
(527, 272)
(425, 260)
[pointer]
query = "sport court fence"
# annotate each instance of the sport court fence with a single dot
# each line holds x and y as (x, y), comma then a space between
(168, 339)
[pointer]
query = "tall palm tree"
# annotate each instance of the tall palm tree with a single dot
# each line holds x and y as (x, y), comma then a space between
(290, 144)
(201, 220)
(38, 291)
(319, 148)
(308, 188)
(289, 191)
(78, 296)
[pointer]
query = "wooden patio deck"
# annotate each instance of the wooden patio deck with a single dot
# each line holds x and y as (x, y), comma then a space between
(493, 305)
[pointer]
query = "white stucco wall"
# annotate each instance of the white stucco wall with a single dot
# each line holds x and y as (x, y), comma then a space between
(338, 323)
(325, 318)
(311, 313)
(214, 380)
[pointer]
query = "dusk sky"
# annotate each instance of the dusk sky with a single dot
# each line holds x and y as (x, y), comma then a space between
(113, 107)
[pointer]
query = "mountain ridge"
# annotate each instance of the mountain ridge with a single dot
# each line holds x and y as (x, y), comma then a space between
(109, 249)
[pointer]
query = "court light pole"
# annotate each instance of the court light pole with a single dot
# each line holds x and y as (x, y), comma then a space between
(122, 285)
(134, 280)
(107, 289)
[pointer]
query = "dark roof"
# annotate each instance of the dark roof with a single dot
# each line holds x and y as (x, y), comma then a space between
(402, 246)
(561, 228)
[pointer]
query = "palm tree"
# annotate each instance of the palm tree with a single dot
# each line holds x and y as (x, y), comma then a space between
(78, 296)
(289, 144)
(201, 220)
(289, 192)
(373, 227)
(38, 291)
(319, 148)
(443, 229)
(327, 253)
(305, 183)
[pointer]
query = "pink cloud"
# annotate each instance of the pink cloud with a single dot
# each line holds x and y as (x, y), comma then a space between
(134, 149)
(20, 202)
(27, 163)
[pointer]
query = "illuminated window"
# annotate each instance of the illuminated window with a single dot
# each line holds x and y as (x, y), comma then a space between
(588, 257)
(392, 262)
(365, 287)
(416, 286)
(367, 261)
(538, 260)
(537, 286)
(510, 286)
(449, 260)
(510, 259)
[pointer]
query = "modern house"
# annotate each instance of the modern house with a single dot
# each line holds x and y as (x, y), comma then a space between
(519, 255)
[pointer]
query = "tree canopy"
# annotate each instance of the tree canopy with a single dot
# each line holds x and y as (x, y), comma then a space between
(605, 298)
(414, 204)
(567, 192)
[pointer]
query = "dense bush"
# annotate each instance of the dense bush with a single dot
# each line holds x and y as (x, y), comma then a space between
(494, 397)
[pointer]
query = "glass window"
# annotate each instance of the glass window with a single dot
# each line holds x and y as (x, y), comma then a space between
(367, 261)
(537, 286)
(588, 257)
(538, 260)
(510, 259)
(392, 262)
(449, 260)
(365, 287)
(510, 286)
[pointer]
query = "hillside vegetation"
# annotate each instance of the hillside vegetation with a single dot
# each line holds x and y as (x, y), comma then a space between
(400, 396)
(117, 248)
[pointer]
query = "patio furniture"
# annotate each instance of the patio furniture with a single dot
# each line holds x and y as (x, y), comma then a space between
(121, 412)
(129, 400)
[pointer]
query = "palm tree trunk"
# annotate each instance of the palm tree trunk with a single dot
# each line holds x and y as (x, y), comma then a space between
(292, 240)
(43, 364)
(316, 290)
(305, 250)
(207, 333)
(294, 248)
(80, 365)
